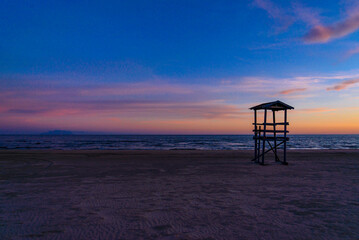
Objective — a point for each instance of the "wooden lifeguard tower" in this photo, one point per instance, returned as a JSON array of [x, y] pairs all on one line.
[[274, 134]]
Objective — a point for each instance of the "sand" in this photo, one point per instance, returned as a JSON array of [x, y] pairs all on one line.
[[178, 195]]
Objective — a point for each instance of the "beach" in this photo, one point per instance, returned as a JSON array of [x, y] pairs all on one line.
[[178, 194]]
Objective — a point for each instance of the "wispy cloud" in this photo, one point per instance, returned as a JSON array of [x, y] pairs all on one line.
[[150, 99], [297, 12], [275, 12], [305, 14], [221, 100], [266, 85], [343, 85], [127, 109], [318, 32], [315, 110], [139, 88], [326, 33], [351, 52], [321, 78], [293, 90]]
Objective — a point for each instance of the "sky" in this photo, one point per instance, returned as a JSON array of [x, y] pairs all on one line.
[[177, 67]]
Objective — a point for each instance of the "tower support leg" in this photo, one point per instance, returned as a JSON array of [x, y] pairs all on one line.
[[275, 137], [255, 135], [264, 134], [285, 139]]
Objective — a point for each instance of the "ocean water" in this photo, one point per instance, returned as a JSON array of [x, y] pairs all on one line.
[[169, 142]]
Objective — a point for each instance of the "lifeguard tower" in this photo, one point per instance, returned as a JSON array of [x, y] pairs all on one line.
[[272, 133]]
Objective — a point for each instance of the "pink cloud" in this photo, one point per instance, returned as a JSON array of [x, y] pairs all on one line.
[[318, 33], [343, 85], [38, 106], [293, 90], [323, 34]]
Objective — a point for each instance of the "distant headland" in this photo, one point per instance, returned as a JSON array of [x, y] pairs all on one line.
[[58, 132]]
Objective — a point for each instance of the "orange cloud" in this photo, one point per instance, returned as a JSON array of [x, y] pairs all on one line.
[[293, 90], [323, 34], [343, 85]]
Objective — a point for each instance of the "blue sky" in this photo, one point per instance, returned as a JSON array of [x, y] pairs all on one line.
[[210, 60]]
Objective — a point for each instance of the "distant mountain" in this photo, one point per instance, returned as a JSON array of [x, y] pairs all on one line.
[[57, 132]]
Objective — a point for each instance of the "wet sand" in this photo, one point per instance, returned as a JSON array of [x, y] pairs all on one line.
[[178, 195]]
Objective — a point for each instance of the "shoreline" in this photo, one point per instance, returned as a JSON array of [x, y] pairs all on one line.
[[168, 150]]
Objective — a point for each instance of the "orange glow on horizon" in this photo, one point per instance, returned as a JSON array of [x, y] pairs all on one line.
[[327, 122]]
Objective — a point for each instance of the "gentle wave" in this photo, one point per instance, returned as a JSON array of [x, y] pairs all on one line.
[[169, 142]]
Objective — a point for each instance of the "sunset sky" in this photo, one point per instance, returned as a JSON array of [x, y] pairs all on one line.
[[177, 67]]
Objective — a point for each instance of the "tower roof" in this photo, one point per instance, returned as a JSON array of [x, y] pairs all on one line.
[[276, 105]]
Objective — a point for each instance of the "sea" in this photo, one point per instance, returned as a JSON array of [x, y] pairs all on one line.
[[169, 142]]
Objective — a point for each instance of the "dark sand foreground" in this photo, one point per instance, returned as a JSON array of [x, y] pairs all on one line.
[[178, 195]]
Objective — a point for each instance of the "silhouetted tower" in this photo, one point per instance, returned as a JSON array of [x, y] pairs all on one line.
[[275, 133]]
